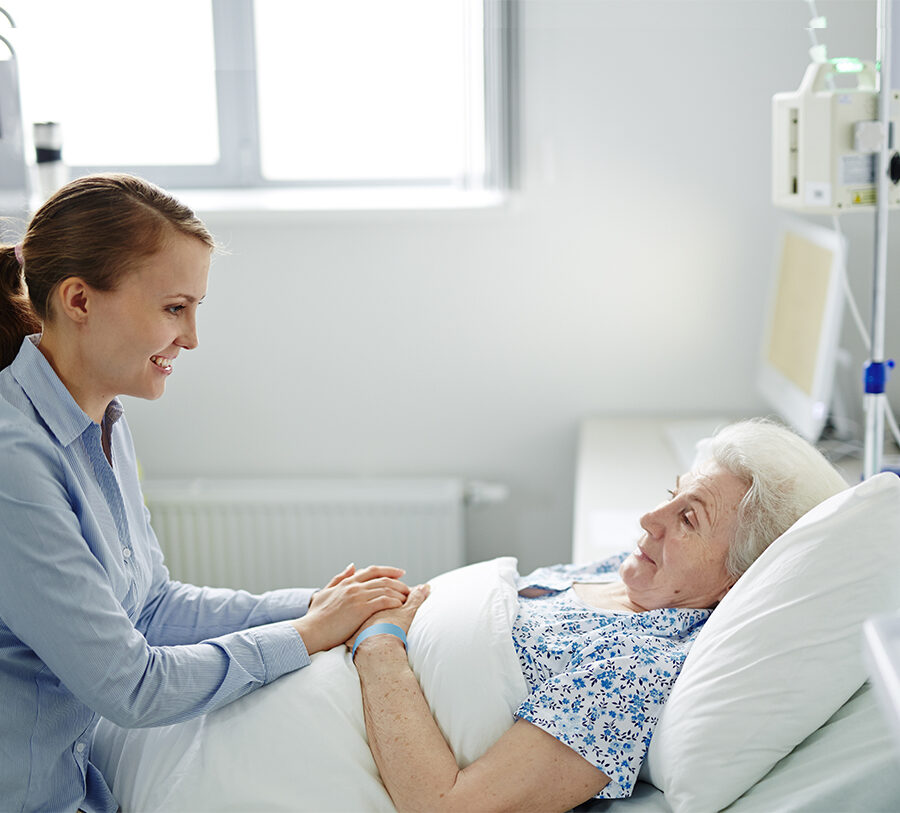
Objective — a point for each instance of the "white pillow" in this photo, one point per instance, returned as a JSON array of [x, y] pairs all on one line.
[[783, 650], [462, 653]]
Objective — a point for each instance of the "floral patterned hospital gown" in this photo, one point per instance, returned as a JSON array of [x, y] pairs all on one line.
[[598, 679]]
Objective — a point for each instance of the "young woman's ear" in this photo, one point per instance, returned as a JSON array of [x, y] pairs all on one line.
[[71, 299]]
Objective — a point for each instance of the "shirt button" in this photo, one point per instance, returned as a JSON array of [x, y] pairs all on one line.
[[79, 748], [126, 552]]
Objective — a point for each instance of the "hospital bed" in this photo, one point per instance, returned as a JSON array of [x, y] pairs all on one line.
[[771, 711]]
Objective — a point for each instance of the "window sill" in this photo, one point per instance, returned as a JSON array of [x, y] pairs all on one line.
[[266, 202]]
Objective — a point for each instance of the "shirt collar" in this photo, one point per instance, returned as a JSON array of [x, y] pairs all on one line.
[[49, 396]]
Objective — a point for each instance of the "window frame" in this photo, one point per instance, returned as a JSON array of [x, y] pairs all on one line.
[[239, 165]]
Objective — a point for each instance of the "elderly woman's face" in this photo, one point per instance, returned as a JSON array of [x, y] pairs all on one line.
[[680, 560]]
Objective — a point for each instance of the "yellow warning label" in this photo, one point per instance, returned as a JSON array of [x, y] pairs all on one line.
[[863, 197]]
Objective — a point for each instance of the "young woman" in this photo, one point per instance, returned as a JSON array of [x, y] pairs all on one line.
[[97, 301]]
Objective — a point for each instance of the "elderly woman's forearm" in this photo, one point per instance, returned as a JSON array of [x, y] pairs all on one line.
[[525, 770], [415, 762]]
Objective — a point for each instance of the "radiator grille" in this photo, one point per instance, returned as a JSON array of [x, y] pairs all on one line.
[[264, 534]]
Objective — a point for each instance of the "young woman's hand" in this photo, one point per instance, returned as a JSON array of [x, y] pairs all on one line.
[[346, 602], [400, 616]]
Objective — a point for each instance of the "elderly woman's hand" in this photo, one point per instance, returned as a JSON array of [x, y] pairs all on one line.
[[400, 616]]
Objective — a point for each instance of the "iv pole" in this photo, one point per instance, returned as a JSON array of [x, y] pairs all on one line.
[[875, 400]]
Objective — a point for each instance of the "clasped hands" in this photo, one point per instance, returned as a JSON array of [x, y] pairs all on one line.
[[354, 600]]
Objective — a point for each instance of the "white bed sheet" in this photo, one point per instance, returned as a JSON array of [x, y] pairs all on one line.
[[848, 765], [300, 744]]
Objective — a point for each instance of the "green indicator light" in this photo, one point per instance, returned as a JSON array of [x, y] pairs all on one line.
[[844, 64]]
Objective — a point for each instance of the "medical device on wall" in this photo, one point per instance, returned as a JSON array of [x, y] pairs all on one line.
[[800, 346], [825, 140], [835, 150], [13, 177]]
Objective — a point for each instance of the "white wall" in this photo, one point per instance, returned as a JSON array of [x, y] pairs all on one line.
[[627, 274]]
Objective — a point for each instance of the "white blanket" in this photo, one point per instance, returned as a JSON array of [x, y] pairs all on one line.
[[300, 743]]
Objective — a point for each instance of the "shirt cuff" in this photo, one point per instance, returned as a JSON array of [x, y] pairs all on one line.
[[282, 649]]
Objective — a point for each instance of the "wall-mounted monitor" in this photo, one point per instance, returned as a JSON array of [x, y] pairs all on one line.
[[803, 326]]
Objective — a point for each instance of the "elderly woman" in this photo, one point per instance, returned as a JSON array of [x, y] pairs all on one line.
[[599, 658]]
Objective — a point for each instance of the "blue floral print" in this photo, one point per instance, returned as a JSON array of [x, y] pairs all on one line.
[[598, 679]]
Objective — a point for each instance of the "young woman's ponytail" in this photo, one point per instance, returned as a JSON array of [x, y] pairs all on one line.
[[17, 316]]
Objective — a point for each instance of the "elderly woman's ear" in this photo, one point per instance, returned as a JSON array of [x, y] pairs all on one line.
[[725, 592]]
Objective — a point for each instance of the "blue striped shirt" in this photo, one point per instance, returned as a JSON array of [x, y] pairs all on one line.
[[90, 624]]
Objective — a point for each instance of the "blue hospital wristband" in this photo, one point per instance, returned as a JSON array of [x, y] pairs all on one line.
[[378, 629]]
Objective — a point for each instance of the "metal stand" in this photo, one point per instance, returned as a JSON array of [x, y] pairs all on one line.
[[876, 371]]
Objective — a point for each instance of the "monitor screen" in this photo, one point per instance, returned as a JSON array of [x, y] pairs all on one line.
[[800, 342]]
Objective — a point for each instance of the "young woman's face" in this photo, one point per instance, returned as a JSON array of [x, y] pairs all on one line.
[[135, 332], [680, 560]]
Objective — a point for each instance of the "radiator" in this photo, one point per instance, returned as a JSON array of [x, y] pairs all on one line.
[[264, 534]]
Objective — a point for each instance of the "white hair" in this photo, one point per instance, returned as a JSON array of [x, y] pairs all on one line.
[[787, 477]]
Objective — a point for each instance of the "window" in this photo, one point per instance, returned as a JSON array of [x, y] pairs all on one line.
[[272, 93]]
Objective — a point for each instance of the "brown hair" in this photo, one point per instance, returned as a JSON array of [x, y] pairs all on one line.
[[93, 228]]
